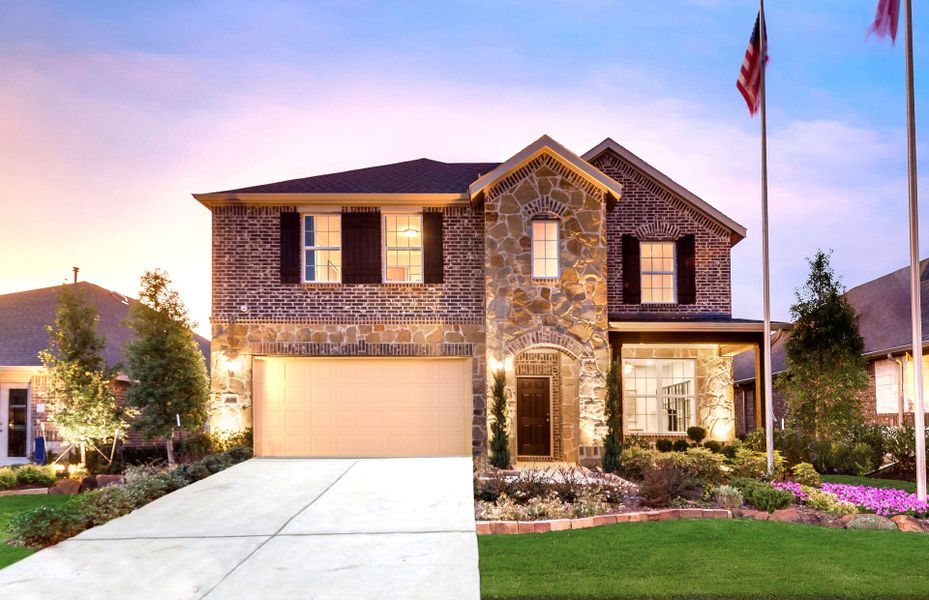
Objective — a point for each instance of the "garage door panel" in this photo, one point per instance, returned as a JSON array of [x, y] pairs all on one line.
[[362, 407]]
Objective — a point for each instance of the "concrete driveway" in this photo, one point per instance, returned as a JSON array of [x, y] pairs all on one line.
[[279, 528]]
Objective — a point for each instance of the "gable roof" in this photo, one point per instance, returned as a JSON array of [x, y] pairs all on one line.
[[543, 145], [883, 307], [737, 231], [24, 317]]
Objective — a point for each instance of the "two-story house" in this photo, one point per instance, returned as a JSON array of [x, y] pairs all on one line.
[[360, 313]]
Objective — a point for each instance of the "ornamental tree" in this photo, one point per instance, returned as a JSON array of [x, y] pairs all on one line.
[[825, 368], [169, 382], [499, 437], [79, 392], [613, 411]]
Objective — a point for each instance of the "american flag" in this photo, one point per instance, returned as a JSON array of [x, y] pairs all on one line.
[[749, 83], [886, 19]]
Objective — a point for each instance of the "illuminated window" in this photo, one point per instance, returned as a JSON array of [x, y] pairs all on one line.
[[659, 395], [545, 249], [403, 248], [322, 248], [657, 272]]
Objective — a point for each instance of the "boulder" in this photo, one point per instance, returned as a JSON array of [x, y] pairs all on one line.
[[868, 521], [108, 480], [66, 486], [786, 515], [758, 515], [910, 524]]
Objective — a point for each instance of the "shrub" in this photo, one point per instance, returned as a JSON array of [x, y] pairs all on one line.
[[728, 497], [47, 525], [143, 455], [713, 446], [900, 443], [680, 445], [805, 474], [145, 490], [241, 453], [696, 433], [730, 449], [504, 509], [828, 503], [755, 440], [636, 441], [35, 475], [861, 459], [664, 445], [794, 445], [762, 495], [752, 464], [224, 441], [874, 436], [7, 478], [634, 461], [549, 507], [708, 466], [105, 504], [588, 504], [668, 476]]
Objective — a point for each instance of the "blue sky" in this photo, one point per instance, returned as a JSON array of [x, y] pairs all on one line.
[[113, 112]]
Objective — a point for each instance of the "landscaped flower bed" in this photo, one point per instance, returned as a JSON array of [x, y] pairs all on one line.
[[882, 501]]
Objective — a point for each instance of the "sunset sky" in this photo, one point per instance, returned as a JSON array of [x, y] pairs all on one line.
[[113, 113]]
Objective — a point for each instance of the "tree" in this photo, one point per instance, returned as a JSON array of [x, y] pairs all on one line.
[[79, 392], [499, 437], [612, 442], [169, 382], [825, 368]]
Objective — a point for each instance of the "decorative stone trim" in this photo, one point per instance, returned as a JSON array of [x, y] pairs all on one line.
[[40, 491], [361, 348], [544, 160], [669, 514], [545, 207], [658, 231], [546, 338]]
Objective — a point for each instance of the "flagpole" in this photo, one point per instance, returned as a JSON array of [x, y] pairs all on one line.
[[919, 414], [768, 397]]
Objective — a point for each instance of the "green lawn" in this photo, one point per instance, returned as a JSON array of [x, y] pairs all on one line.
[[12, 505], [906, 486], [704, 559]]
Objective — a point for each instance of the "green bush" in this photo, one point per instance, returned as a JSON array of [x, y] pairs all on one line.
[[696, 433], [47, 525], [680, 445], [35, 475], [827, 502], [708, 465], [145, 490], [752, 464], [668, 476], [762, 495], [224, 441], [713, 446], [874, 436], [794, 445], [633, 440], [728, 497], [634, 460], [861, 459], [821, 456], [805, 474], [664, 445], [730, 449], [900, 443], [7, 478], [105, 504], [755, 440]]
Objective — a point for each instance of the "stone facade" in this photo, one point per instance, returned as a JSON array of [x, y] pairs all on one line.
[[652, 213], [568, 313]]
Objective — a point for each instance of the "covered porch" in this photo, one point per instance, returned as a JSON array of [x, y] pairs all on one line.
[[678, 374]]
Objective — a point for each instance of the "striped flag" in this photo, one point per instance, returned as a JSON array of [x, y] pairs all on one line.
[[886, 19], [749, 83]]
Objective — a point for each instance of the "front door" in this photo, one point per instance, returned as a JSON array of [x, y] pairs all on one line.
[[14, 424], [533, 416]]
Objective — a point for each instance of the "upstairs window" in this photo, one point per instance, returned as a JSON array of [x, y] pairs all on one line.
[[657, 272], [322, 248], [403, 248], [545, 257]]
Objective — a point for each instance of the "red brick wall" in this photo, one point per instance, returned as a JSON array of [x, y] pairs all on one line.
[[646, 205], [246, 254]]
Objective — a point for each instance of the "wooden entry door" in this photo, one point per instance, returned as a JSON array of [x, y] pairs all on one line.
[[533, 416]]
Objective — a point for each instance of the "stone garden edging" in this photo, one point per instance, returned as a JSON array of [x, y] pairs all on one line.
[[669, 514], [25, 492]]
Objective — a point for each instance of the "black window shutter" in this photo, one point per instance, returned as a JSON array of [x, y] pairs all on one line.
[[290, 247], [687, 270], [632, 271], [361, 247], [433, 261]]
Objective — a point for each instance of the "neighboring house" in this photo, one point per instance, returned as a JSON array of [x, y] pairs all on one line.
[[361, 313], [883, 307], [24, 321]]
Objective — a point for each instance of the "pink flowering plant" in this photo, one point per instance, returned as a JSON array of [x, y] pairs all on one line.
[[792, 487], [882, 501]]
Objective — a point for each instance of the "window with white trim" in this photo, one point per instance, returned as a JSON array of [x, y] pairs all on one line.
[[887, 387], [659, 395], [657, 272], [403, 248], [545, 255], [322, 248]]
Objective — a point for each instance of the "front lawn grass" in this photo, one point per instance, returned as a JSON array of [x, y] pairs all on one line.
[[906, 486], [13, 505], [704, 559]]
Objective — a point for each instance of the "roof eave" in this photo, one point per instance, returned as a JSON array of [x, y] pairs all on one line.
[[692, 326], [215, 199], [737, 231]]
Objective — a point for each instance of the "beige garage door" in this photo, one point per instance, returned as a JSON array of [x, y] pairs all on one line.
[[362, 406]]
